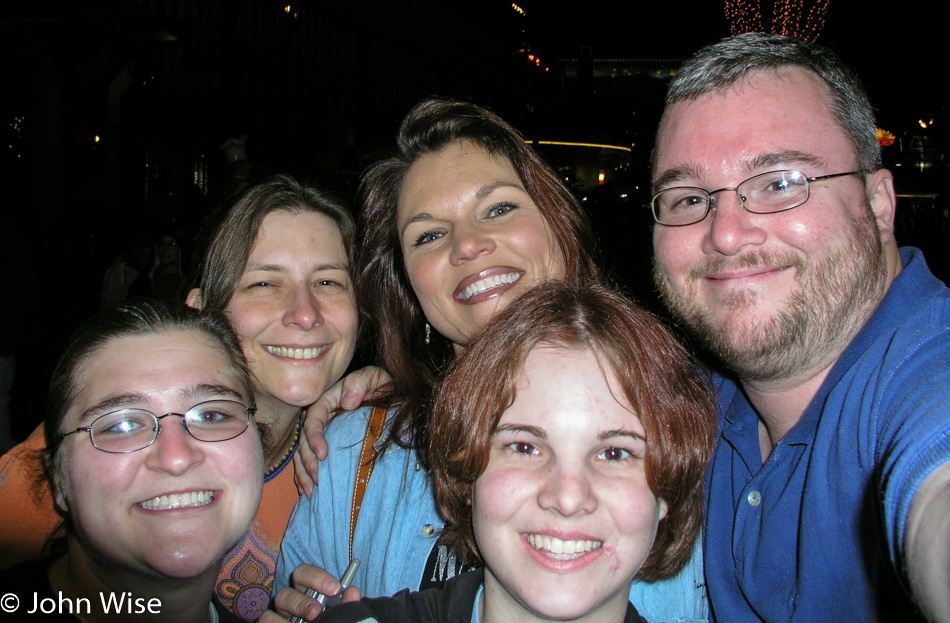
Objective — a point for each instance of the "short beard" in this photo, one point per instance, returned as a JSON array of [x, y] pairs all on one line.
[[836, 297]]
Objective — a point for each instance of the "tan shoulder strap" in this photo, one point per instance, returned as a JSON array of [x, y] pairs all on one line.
[[365, 468]]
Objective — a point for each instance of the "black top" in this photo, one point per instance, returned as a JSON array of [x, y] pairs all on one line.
[[453, 603]]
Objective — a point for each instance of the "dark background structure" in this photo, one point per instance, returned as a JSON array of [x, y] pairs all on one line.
[[114, 112]]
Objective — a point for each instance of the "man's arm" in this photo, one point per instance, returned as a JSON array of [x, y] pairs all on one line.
[[927, 545]]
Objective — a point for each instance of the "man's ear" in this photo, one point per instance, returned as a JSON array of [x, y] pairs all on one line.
[[194, 299], [883, 201]]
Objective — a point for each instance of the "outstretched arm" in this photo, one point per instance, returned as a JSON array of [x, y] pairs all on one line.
[[927, 545], [347, 394]]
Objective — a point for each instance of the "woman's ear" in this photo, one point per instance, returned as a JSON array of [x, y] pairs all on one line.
[[60, 487], [61, 500], [194, 299], [661, 509]]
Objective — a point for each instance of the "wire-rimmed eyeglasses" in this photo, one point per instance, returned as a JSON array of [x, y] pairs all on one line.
[[128, 430], [765, 193]]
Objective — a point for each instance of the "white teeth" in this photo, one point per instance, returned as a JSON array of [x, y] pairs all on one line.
[[560, 549], [178, 500], [297, 353], [490, 282]]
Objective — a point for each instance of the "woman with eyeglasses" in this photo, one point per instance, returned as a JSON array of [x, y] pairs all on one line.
[[277, 266], [155, 463]]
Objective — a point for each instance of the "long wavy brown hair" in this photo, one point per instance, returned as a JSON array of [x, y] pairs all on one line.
[[386, 299], [659, 380]]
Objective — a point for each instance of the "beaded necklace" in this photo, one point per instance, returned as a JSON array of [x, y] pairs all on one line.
[[287, 456]]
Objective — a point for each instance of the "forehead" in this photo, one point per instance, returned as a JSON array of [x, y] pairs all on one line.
[[748, 128], [159, 367], [313, 231], [571, 387], [452, 175]]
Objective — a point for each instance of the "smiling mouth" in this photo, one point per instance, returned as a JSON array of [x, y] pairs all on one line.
[[190, 499], [554, 547], [488, 283], [297, 353], [746, 274]]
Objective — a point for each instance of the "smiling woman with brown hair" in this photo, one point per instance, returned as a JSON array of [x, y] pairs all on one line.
[[278, 267], [568, 447], [462, 220], [154, 461]]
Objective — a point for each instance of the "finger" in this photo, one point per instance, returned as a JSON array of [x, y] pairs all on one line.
[[309, 462], [290, 602], [309, 576], [301, 478], [351, 594], [359, 385]]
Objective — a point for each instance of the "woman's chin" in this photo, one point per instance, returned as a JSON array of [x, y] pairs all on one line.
[[185, 566]]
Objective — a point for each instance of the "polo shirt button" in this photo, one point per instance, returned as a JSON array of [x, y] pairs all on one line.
[[755, 498], [428, 530], [418, 466]]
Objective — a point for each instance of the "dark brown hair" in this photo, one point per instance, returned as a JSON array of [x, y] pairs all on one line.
[[133, 318], [233, 238], [382, 286], [659, 380]]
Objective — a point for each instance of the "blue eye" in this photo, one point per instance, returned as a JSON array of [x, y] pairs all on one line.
[[501, 209], [783, 183], [215, 414], [209, 416], [122, 424], [427, 237], [777, 186]]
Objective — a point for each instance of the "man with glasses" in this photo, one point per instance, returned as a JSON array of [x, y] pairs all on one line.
[[829, 492]]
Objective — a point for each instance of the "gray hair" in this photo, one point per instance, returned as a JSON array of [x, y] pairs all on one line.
[[720, 66]]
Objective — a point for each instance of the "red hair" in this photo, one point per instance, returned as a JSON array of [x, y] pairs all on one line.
[[659, 380]]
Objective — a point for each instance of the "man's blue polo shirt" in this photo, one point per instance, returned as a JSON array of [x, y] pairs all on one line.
[[817, 532]]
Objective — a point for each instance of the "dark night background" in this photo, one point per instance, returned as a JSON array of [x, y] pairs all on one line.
[[319, 87]]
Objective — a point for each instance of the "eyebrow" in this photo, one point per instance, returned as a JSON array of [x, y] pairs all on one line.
[[484, 191], [130, 400], [685, 172], [213, 390], [277, 268], [783, 158], [677, 174], [541, 434], [112, 403], [521, 428], [480, 193], [621, 432]]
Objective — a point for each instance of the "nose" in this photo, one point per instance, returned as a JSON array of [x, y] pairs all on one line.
[[174, 450], [303, 309], [731, 226], [469, 242], [568, 490]]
